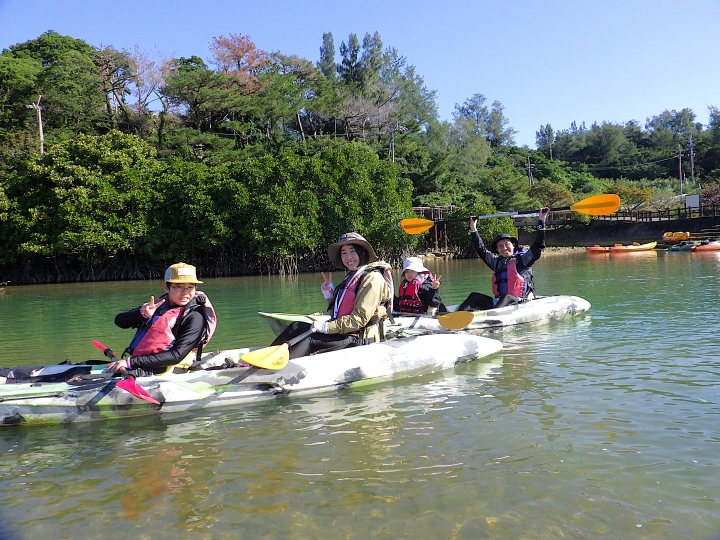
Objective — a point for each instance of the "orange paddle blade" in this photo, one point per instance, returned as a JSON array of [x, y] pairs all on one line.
[[598, 205], [416, 225]]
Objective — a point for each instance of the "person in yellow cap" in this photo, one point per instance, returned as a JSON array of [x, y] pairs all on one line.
[[357, 305], [168, 329]]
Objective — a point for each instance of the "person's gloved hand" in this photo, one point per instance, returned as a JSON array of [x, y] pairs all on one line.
[[319, 326]]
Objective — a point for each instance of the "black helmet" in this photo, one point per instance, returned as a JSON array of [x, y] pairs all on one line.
[[504, 236]]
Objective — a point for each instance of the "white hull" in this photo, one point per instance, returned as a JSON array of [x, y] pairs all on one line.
[[50, 403], [540, 311]]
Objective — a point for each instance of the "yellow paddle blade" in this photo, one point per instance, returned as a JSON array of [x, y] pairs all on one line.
[[416, 225], [598, 205], [456, 320], [275, 357]]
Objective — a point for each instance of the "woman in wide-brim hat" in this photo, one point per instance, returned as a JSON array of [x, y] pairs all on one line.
[[512, 280], [358, 304]]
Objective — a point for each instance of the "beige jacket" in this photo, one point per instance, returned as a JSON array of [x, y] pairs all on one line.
[[372, 293]]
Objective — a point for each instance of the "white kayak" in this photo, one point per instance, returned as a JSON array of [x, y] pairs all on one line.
[[539, 311], [91, 399]]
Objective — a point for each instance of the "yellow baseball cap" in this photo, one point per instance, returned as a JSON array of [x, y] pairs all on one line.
[[181, 273]]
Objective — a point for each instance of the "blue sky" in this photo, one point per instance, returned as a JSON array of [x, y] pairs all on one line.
[[549, 61]]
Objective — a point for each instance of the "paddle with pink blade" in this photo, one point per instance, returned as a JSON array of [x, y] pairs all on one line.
[[127, 382]]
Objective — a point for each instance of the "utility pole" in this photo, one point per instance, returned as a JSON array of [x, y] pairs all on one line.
[[38, 108], [680, 167], [399, 129], [691, 147], [529, 168]]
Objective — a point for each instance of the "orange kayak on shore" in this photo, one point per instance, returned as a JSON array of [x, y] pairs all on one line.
[[633, 247], [596, 249], [672, 237]]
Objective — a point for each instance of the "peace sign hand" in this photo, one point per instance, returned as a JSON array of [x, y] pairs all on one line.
[[436, 281], [147, 310], [327, 286]]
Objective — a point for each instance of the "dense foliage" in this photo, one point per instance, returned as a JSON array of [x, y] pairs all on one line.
[[250, 161]]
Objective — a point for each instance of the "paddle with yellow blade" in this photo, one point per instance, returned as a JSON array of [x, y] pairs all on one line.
[[455, 320], [597, 205], [277, 356]]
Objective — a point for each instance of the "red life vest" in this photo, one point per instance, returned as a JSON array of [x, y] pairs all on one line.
[[409, 297], [345, 297], [156, 335], [507, 280]]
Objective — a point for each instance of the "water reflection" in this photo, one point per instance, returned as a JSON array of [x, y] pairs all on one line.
[[598, 426]]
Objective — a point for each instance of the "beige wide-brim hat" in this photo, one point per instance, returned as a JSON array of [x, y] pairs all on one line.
[[181, 273], [350, 238], [413, 263]]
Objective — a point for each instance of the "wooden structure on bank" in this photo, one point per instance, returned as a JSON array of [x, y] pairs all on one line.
[[437, 240]]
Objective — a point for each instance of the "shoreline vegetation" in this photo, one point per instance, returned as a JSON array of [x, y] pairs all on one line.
[[155, 271], [251, 162]]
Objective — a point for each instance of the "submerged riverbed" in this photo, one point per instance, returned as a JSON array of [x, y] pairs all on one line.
[[603, 426]]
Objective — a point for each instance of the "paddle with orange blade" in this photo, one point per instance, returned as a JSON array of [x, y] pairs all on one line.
[[597, 205], [127, 382]]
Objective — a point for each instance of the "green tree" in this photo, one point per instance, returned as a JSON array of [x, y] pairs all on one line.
[[491, 123], [372, 59], [327, 64], [196, 214], [69, 83], [630, 195], [203, 97], [544, 139], [18, 87], [550, 194], [506, 186], [116, 75], [468, 149], [84, 201], [350, 67]]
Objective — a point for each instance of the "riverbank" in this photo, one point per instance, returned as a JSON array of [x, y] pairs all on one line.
[[559, 239], [562, 250], [606, 232]]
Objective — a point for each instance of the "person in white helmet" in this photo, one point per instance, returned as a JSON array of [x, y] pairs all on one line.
[[419, 290]]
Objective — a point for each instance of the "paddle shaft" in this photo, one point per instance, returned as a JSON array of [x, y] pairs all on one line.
[[504, 214], [107, 351], [298, 339], [597, 205]]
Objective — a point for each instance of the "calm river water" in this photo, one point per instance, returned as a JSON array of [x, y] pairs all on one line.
[[604, 426]]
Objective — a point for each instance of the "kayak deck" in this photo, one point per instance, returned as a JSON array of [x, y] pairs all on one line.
[[541, 310]]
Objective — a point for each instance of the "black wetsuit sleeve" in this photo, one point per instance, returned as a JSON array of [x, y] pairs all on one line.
[[485, 254], [428, 295], [537, 247], [190, 332], [130, 319]]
